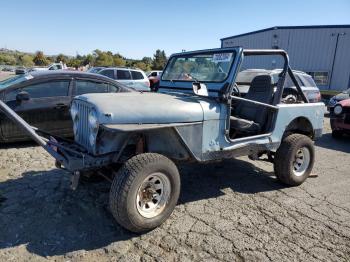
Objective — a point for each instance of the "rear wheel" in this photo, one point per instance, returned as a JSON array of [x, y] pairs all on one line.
[[294, 159], [144, 192]]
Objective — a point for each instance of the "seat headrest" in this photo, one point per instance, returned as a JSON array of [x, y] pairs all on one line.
[[261, 82]]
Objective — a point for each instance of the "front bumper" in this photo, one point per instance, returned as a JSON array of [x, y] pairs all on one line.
[[72, 157]]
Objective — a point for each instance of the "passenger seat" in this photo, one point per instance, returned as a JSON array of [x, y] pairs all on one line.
[[250, 118]]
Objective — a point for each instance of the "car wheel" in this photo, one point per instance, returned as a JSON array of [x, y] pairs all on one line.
[[337, 134], [294, 159], [144, 192]]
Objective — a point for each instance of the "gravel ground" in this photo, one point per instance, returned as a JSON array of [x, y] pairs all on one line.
[[229, 211]]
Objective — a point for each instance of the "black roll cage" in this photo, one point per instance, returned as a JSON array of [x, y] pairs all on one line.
[[280, 85], [282, 76]]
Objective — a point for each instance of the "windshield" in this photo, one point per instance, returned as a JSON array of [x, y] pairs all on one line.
[[14, 80], [203, 67]]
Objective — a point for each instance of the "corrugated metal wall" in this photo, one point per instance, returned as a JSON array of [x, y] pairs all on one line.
[[309, 49]]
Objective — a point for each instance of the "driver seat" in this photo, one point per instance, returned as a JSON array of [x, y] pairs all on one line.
[[250, 118]]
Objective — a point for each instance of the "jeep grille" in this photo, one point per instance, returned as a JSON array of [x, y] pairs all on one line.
[[83, 131]]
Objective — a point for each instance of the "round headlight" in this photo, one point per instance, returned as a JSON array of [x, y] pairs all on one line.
[[74, 110], [93, 122], [338, 109]]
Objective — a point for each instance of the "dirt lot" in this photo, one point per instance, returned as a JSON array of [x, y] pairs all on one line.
[[230, 211]]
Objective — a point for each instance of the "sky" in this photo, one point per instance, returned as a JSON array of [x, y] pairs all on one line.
[[136, 28]]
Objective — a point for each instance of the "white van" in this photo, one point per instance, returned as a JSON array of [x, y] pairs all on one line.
[[134, 78]]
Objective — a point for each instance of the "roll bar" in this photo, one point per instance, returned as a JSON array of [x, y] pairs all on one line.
[[282, 77]]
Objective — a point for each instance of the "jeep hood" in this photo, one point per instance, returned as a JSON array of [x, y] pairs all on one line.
[[144, 108]]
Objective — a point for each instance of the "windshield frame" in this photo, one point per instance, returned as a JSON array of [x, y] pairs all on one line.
[[202, 52]]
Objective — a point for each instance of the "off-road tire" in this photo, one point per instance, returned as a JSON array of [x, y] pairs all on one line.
[[126, 182], [285, 157], [337, 134]]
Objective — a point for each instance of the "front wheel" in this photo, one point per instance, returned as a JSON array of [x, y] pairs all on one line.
[[294, 159], [144, 192]]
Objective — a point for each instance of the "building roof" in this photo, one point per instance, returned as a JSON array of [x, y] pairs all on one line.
[[288, 27]]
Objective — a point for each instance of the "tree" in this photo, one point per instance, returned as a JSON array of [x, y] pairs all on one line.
[[7, 59], [89, 60], [118, 60], [74, 62], [103, 58], [143, 66], [27, 60], [40, 59], [61, 58], [159, 60], [147, 60]]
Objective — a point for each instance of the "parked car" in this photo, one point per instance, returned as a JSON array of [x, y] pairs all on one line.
[[95, 69], [8, 69], [43, 100], [54, 66], [290, 93], [136, 138], [337, 98], [340, 118], [154, 77], [134, 78], [20, 70], [154, 73]]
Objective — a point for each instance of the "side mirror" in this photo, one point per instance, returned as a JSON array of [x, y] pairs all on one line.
[[200, 89], [22, 96]]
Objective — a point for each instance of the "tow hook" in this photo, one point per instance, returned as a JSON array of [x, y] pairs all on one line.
[[75, 180]]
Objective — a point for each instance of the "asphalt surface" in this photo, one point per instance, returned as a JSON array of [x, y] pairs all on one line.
[[229, 211]]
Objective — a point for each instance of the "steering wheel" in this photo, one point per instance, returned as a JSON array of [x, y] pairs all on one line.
[[236, 91]]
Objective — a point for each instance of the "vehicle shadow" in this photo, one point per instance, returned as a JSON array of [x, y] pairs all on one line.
[[40, 210], [22, 144], [208, 181], [328, 142]]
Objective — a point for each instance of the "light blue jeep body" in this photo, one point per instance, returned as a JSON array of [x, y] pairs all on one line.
[[185, 126]]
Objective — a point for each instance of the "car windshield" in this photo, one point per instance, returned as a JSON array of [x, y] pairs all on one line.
[[206, 67], [14, 80]]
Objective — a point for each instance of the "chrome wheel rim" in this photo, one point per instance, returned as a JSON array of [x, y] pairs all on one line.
[[153, 195], [301, 161]]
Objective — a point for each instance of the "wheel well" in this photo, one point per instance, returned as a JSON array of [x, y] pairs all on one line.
[[300, 125]]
